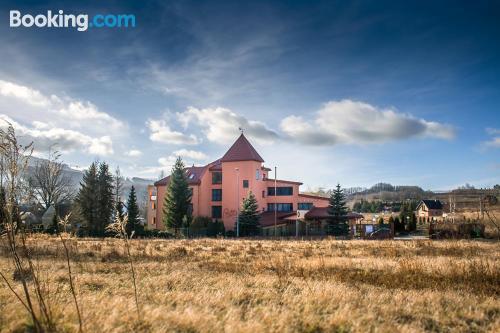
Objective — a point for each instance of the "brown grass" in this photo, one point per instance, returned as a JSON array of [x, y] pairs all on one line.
[[267, 286]]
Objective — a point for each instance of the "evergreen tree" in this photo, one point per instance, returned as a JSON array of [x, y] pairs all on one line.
[[177, 202], [398, 226], [337, 209], [95, 198], [134, 223], [105, 196], [249, 216], [87, 199]]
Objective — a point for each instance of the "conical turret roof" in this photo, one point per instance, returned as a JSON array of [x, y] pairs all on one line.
[[242, 150]]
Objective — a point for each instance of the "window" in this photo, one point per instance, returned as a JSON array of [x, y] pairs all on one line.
[[191, 176], [257, 174], [305, 206], [288, 190], [216, 194], [245, 183], [280, 207], [153, 205], [216, 177], [263, 194], [216, 212], [154, 220]]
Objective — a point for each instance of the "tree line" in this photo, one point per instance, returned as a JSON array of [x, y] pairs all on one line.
[[378, 206], [95, 205]]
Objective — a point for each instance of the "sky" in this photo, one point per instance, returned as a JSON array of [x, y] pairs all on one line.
[[329, 92]]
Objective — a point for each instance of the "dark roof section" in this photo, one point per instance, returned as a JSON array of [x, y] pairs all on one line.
[[267, 218], [432, 204], [241, 150], [193, 175], [322, 213], [215, 165]]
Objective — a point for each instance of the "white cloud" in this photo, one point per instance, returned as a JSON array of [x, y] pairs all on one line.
[[494, 142], [165, 164], [64, 140], [493, 131], [191, 154], [133, 153], [70, 124], [161, 132], [101, 146], [348, 121], [63, 111], [222, 125], [30, 96]]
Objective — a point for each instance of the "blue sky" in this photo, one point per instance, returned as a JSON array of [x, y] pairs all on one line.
[[349, 92]]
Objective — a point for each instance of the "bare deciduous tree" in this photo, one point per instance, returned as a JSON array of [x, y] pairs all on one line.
[[50, 185]]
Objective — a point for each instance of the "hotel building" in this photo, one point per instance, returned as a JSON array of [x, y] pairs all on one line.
[[219, 188]]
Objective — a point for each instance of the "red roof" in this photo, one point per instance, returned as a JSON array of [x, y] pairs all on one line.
[[193, 175], [215, 165], [241, 150]]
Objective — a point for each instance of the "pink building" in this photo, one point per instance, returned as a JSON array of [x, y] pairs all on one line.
[[220, 187]]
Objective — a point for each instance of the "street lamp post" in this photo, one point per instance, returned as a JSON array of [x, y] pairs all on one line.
[[237, 202]]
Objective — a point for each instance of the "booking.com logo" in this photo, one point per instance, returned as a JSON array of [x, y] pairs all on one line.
[[61, 20]]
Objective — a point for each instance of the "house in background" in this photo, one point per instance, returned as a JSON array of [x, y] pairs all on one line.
[[429, 209], [219, 188]]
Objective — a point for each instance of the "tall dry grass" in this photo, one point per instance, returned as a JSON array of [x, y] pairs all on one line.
[[267, 286]]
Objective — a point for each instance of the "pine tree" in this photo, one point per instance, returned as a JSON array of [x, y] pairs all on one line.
[[398, 226], [337, 209], [105, 196], [177, 199], [87, 199], [95, 198], [249, 216], [133, 223]]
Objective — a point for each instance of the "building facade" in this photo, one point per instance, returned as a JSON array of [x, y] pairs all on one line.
[[219, 188], [429, 209]]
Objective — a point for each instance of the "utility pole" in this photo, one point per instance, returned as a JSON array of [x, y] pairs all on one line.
[[237, 202], [275, 204], [481, 213]]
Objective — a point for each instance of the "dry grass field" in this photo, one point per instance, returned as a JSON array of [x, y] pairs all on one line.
[[211, 285]]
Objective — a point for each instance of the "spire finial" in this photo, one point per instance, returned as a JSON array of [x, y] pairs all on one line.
[[241, 130]]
